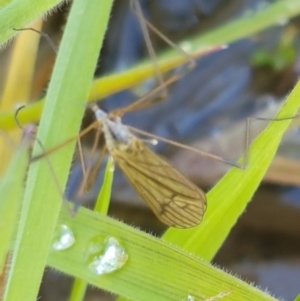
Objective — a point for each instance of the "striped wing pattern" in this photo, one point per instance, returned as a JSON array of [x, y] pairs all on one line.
[[175, 200]]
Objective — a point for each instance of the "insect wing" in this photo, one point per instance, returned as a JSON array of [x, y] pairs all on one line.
[[173, 198]]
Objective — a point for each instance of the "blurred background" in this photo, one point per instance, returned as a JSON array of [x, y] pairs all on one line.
[[206, 109]]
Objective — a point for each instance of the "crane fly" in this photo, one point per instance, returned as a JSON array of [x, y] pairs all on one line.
[[174, 199]]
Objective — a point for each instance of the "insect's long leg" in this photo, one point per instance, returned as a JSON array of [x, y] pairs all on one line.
[[248, 137], [46, 153], [50, 151], [146, 100], [151, 97], [180, 145], [90, 172], [137, 10], [94, 171], [83, 165], [30, 134], [93, 152], [159, 93]]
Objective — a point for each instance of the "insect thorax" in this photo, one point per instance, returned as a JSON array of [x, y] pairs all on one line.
[[116, 134]]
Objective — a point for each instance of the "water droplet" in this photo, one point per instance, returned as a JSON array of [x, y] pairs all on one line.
[[105, 255], [63, 238]]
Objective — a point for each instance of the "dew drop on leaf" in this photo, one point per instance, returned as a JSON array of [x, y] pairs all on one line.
[[63, 238], [105, 255]]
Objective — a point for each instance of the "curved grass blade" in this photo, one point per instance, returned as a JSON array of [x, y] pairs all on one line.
[[103, 199], [155, 269], [42, 202], [229, 198], [297, 298]]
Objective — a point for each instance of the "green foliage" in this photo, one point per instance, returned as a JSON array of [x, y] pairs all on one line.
[[228, 199], [67, 92], [297, 298], [157, 269], [12, 190]]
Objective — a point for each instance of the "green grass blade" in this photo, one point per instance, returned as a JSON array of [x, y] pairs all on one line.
[[102, 204], [12, 189], [62, 115], [155, 270], [103, 199], [297, 298], [19, 13], [229, 198]]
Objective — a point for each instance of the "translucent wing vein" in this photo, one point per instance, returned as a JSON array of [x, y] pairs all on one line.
[[173, 198]]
